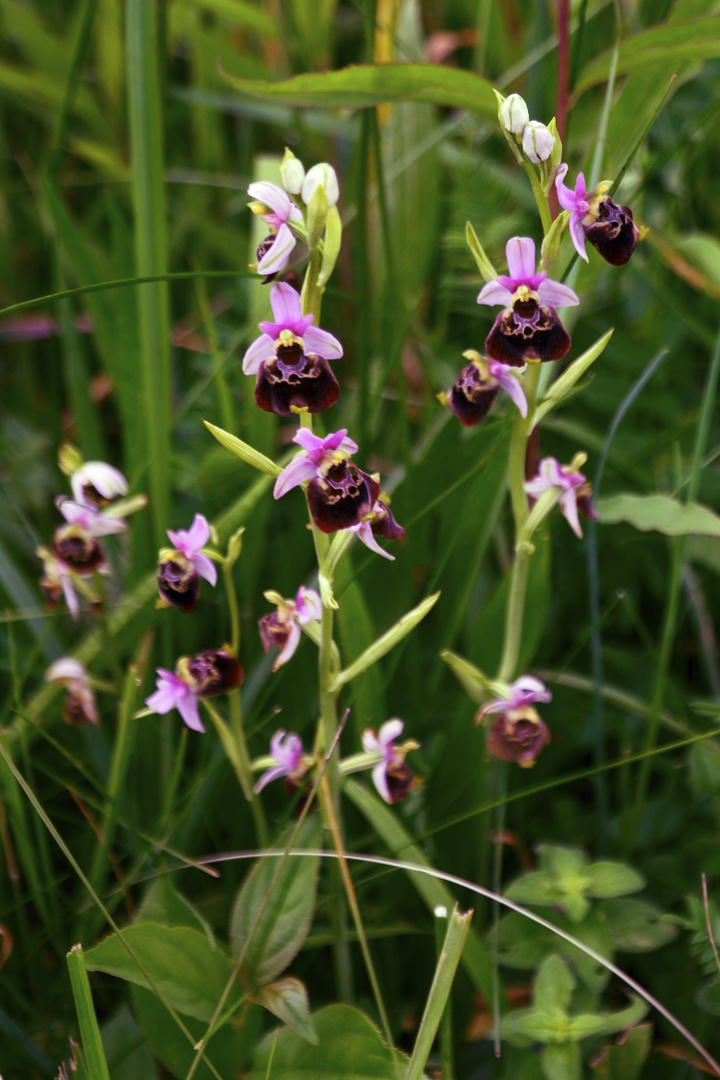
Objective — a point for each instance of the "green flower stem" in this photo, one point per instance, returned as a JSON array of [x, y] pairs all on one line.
[[516, 477], [541, 198], [232, 606]]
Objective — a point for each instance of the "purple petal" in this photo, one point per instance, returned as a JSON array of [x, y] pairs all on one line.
[[391, 729], [290, 646], [365, 534], [300, 469], [273, 197], [205, 567], [165, 698], [568, 505], [577, 235], [494, 293], [380, 781], [313, 445], [321, 343], [529, 689], [187, 706], [277, 255], [566, 196], [285, 303], [70, 596], [262, 349], [334, 441], [369, 741], [520, 254], [308, 606], [580, 186], [556, 294], [513, 389], [199, 532], [267, 777]]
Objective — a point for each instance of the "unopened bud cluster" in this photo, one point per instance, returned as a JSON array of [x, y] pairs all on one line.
[[537, 139]]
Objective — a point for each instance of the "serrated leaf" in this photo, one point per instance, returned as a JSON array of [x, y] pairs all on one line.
[[349, 1048], [287, 999], [659, 513], [186, 970], [286, 919], [364, 85]]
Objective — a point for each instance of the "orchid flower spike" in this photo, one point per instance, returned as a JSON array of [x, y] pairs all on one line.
[[276, 209], [478, 385], [287, 753], [528, 328], [575, 492], [290, 359], [518, 734], [181, 567], [339, 494], [79, 707], [595, 217], [392, 776], [207, 674], [282, 628]]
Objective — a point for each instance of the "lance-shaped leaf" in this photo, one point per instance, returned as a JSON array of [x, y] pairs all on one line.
[[473, 681], [562, 387], [486, 268], [243, 450], [660, 513], [287, 999], [388, 641], [363, 85], [331, 248], [271, 919]]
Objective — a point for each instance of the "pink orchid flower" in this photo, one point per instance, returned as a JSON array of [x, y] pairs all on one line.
[[189, 543], [290, 324], [280, 209]]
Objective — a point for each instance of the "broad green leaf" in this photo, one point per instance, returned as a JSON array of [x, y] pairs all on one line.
[[285, 920], [693, 39], [349, 1048], [128, 1054], [660, 513], [164, 904], [562, 1062], [608, 1023], [475, 958], [635, 925], [229, 1050], [612, 879], [624, 1059], [567, 866], [186, 970], [537, 887], [363, 85], [288, 1000], [243, 450]]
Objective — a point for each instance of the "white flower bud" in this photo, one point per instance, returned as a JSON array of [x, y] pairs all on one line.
[[537, 141], [514, 113], [323, 176], [292, 173]]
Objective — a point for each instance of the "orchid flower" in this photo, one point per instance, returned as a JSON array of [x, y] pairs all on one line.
[[379, 522], [79, 707], [477, 386], [595, 217], [96, 482], [276, 209], [575, 490], [287, 752], [392, 777], [208, 673], [518, 734], [282, 629]]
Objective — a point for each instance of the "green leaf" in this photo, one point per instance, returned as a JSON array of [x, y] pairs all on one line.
[[474, 682], [288, 1000], [708, 998], [87, 1020], [164, 904], [187, 971], [229, 1049], [704, 767], [537, 887], [694, 39], [241, 13], [285, 920], [349, 1048], [243, 450], [624, 1059], [486, 268], [661, 513], [612, 879], [387, 641], [475, 957], [127, 1052], [562, 1062], [553, 986], [635, 925], [364, 85], [608, 1023]]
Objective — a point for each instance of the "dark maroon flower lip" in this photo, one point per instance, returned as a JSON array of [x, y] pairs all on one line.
[[79, 708], [341, 496], [614, 234], [210, 672], [295, 381], [518, 735], [178, 582], [527, 331], [77, 549], [472, 396], [384, 524]]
